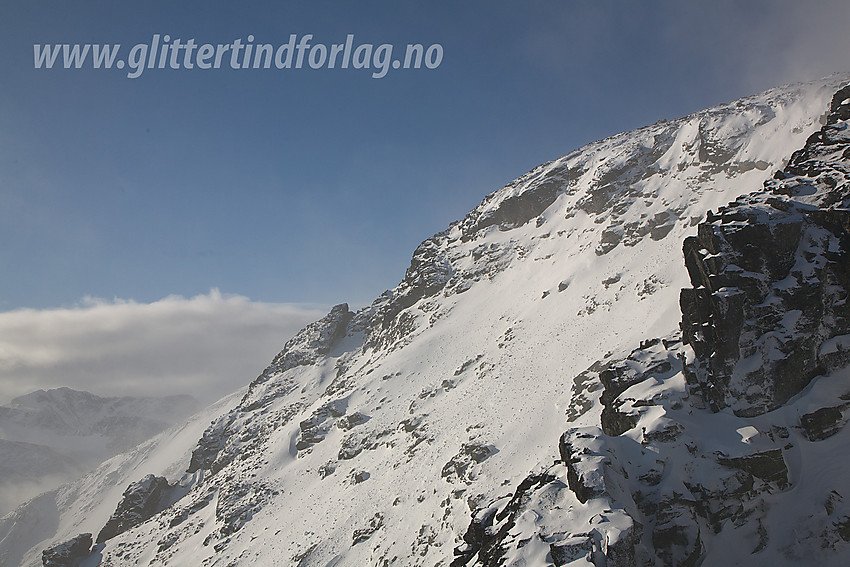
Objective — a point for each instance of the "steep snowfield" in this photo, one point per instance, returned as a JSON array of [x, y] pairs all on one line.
[[375, 437]]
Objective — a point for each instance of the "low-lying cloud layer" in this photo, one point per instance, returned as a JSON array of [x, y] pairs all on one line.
[[206, 346]]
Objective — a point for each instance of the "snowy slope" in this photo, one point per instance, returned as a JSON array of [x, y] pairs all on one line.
[[380, 437], [729, 449]]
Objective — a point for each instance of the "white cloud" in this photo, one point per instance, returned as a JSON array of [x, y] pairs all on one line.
[[206, 346]]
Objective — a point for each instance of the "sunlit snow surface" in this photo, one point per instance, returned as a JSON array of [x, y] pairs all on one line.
[[380, 451]]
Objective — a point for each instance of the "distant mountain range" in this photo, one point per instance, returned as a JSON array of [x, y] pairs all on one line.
[[51, 437]]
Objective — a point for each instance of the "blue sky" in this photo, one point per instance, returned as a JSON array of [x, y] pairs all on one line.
[[198, 218], [316, 185]]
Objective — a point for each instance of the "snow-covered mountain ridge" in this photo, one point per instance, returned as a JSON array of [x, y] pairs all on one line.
[[663, 480], [540, 329]]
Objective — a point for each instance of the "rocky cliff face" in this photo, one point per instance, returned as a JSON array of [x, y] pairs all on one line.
[[541, 328], [69, 553], [707, 450], [140, 501], [771, 272]]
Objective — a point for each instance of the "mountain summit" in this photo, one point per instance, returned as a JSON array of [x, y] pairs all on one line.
[[551, 383]]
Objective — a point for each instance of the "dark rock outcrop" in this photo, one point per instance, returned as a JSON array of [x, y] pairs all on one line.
[[537, 191], [618, 376], [362, 534], [312, 342], [314, 429], [771, 276], [141, 501], [578, 547], [571, 455], [768, 466], [428, 273], [459, 467], [69, 553], [484, 540], [517, 210], [237, 503], [215, 448], [823, 423]]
